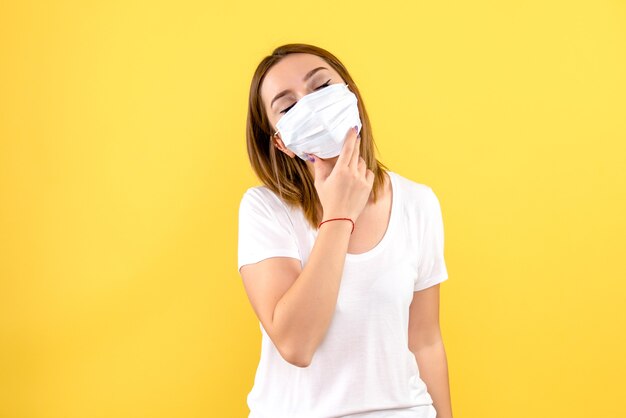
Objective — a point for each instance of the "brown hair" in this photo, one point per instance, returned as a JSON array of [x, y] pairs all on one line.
[[289, 177]]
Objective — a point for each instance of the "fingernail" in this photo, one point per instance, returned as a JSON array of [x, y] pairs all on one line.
[[311, 158], [356, 129]]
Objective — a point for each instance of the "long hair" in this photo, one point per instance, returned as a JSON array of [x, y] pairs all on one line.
[[289, 177]]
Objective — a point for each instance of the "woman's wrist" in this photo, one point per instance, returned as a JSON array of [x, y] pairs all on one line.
[[338, 219]]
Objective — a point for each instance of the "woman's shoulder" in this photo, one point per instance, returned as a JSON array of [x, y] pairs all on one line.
[[413, 192], [255, 191], [261, 195]]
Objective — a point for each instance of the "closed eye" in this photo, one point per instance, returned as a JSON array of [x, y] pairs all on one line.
[[326, 84]]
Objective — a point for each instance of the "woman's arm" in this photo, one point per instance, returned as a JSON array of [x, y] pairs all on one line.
[[296, 305], [426, 343]]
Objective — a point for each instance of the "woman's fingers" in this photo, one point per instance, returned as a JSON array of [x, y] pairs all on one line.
[[362, 167], [322, 169], [356, 151], [345, 156], [369, 176]]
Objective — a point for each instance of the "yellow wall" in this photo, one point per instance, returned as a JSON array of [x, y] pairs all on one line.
[[122, 162]]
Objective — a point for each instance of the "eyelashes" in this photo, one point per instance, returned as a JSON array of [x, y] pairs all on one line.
[[287, 109], [326, 84]]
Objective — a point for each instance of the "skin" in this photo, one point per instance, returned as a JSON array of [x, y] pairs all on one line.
[[425, 340]]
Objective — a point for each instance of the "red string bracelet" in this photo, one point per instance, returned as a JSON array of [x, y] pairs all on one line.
[[337, 219]]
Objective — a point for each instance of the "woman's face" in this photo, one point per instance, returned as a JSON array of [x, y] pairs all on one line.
[[294, 76]]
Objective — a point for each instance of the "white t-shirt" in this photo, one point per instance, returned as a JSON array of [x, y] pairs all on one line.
[[363, 367]]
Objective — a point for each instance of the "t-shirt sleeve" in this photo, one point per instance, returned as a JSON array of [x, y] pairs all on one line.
[[265, 229], [431, 265]]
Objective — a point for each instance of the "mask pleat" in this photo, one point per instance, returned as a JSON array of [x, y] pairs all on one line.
[[319, 122]]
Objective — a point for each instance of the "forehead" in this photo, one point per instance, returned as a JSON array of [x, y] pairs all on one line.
[[288, 73]]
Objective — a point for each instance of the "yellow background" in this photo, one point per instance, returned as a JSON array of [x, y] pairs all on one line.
[[122, 162]]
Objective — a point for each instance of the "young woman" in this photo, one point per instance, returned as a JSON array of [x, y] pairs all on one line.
[[340, 257]]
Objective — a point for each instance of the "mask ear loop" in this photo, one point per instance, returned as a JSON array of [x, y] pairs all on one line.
[[275, 136]]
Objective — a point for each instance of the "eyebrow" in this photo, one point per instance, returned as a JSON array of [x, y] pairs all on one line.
[[306, 77]]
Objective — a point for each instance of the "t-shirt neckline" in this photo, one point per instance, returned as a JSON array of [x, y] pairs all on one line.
[[390, 225]]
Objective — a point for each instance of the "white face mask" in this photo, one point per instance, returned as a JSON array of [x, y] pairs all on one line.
[[319, 122]]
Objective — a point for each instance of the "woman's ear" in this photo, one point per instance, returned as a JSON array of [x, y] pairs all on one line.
[[278, 143]]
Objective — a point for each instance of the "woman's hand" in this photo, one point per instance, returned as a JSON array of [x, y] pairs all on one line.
[[344, 188]]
